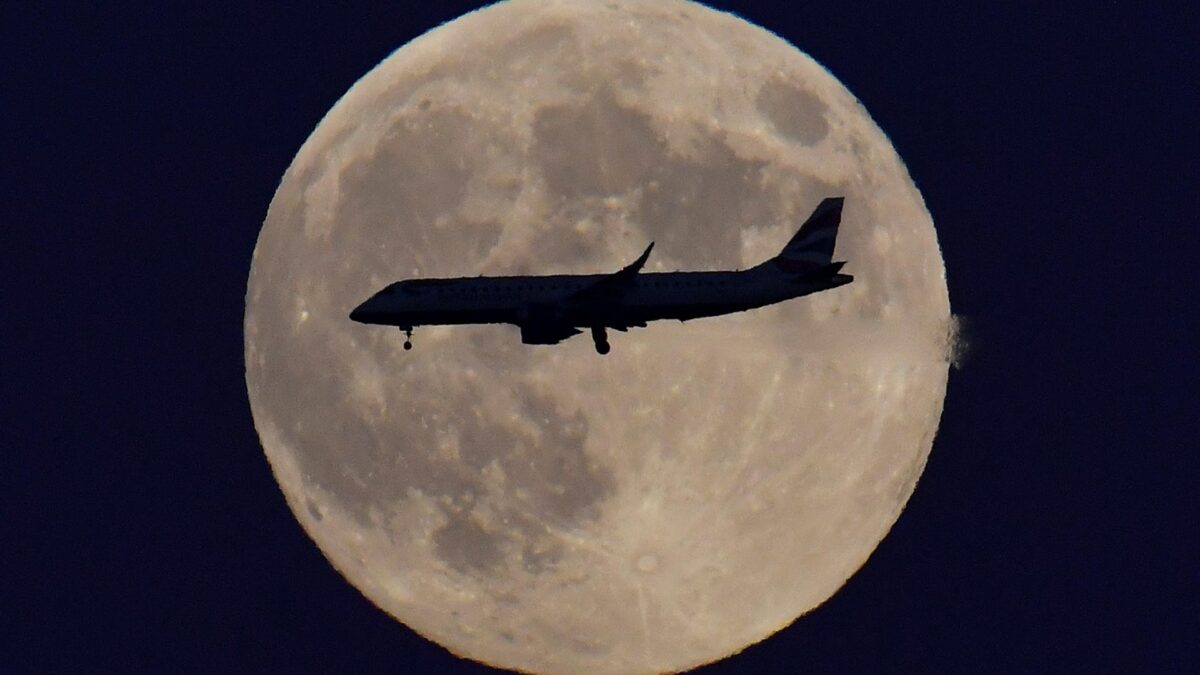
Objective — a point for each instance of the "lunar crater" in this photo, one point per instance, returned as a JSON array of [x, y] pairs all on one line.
[[647, 563], [468, 547], [797, 114]]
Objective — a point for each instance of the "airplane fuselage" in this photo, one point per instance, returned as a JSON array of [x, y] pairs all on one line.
[[650, 297], [550, 309]]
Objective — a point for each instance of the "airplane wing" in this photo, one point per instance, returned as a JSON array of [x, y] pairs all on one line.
[[613, 284], [624, 327], [631, 270]]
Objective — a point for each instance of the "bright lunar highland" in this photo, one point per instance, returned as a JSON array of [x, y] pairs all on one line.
[[545, 508]]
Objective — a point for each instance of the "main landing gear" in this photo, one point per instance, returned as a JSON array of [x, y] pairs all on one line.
[[600, 337], [407, 337]]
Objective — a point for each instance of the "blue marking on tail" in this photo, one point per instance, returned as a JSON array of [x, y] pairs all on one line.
[[811, 248]]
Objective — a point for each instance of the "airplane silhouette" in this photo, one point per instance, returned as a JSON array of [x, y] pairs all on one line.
[[550, 309]]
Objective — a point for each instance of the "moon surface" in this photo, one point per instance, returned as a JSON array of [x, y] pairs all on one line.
[[544, 508]]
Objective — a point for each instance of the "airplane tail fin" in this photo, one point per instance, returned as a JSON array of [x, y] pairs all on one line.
[[811, 248]]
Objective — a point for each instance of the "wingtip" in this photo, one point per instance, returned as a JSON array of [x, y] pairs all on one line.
[[645, 254]]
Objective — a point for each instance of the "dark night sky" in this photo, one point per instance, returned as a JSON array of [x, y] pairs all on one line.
[[1055, 144]]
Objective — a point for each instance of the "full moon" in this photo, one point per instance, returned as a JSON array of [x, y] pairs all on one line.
[[545, 508]]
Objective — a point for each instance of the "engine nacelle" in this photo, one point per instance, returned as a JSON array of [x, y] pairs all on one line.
[[546, 333], [544, 324]]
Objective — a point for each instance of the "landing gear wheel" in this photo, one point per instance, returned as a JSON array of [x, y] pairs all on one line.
[[407, 337], [600, 337]]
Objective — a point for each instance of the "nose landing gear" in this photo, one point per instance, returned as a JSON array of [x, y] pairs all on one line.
[[407, 337], [600, 337]]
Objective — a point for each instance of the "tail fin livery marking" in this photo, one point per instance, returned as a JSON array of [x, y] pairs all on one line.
[[812, 246]]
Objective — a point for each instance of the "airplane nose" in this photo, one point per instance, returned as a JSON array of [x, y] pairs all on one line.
[[362, 313]]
